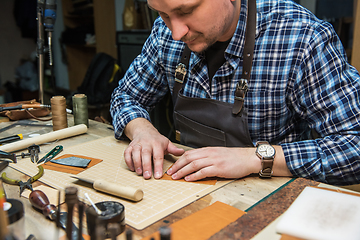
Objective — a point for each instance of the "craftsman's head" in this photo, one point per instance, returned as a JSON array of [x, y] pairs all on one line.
[[199, 23]]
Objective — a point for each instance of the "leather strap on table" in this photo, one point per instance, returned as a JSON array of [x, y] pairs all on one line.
[[241, 87]]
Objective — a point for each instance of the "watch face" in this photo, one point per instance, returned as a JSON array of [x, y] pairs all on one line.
[[266, 150]]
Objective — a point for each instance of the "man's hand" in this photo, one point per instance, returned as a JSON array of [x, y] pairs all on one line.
[[223, 162], [147, 144]]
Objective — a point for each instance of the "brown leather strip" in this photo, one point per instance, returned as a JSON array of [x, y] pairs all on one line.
[[247, 57]]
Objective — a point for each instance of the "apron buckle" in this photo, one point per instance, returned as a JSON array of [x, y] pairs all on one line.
[[241, 90], [180, 73]]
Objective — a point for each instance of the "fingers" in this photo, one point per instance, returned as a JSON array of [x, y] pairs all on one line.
[[128, 158], [145, 160], [172, 149], [193, 166], [139, 158]]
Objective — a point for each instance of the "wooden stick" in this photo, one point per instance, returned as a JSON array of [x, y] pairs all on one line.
[[48, 137]]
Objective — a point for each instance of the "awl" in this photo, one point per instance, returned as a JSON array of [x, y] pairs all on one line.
[[115, 189]]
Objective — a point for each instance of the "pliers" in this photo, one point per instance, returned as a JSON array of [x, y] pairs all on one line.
[[23, 185]]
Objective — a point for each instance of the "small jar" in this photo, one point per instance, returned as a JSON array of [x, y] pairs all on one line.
[[112, 213]]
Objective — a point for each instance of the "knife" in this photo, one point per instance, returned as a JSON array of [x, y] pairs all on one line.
[[114, 189]]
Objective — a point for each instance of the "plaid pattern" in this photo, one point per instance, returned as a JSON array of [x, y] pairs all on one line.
[[300, 81]]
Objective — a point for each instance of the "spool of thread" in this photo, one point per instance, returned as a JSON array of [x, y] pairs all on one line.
[[80, 109], [112, 213], [58, 109], [16, 218]]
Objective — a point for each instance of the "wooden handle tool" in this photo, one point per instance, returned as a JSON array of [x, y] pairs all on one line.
[[115, 189], [47, 137]]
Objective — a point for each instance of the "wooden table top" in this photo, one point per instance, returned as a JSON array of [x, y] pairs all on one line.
[[242, 193]]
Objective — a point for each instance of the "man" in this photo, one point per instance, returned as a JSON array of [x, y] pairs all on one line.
[[242, 121]]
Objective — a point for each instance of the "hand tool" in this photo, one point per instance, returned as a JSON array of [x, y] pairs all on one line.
[[10, 156], [40, 201], [165, 233], [31, 237], [63, 224], [115, 189], [44, 138], [3, 165], [34, 152], [81, 209], [11, 138], [23, 155], [23, 106], [50, 155], [58, 211], [97, 210], [71, 199], [129, 234], [23, 185], [24, 123]]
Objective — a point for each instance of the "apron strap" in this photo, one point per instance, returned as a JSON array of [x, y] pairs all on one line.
[[241, 86], [180, 72]]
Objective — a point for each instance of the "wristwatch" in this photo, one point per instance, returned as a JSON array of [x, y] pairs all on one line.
[[266, 153]]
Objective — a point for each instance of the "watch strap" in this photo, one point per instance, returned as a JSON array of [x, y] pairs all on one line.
[[266, 163], [266, 168]]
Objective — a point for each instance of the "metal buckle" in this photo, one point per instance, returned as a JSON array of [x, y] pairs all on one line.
[[265, 174], [180, 73], [242, 85]]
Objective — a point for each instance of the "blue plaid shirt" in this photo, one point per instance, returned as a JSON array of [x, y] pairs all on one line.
[[300, 82]]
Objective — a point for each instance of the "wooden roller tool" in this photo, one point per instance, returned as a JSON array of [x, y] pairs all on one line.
[[47, 137]]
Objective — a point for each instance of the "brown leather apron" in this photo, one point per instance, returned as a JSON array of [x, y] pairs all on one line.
[[201, 122]]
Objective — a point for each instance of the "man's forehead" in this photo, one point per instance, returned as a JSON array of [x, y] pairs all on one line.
[[171, 5]]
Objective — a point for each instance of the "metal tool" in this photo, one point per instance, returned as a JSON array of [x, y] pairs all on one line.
[[6, 155], [165, 233], [71, 199], [23, 155], [81, 210], [3, 165], [129, 234], [50, 155], [127, 192], [34, 152], [11, 138], [39, 200], [23, 106], [23, 185], [24, 123]]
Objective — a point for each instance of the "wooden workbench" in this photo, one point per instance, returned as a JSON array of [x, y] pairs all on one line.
[[242, 194]]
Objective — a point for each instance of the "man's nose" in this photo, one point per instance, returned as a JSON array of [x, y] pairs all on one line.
[[179, 29]]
